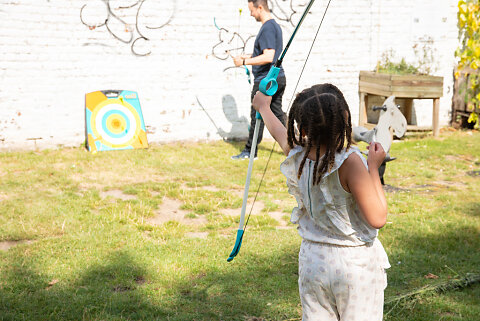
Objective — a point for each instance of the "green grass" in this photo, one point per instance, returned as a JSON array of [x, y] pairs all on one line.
[[88, 256]]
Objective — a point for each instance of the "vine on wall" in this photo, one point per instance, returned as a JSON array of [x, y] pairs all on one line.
[[469, 55]]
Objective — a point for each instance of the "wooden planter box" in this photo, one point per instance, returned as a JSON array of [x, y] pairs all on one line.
[[401, 86]]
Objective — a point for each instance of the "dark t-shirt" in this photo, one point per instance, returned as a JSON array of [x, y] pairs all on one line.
[[269, 37]]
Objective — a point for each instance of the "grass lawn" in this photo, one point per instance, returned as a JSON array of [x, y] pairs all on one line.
[[145, 234]]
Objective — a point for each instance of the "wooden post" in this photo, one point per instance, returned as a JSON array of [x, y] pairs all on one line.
[[408, 110], [362, 113], [435, 116]]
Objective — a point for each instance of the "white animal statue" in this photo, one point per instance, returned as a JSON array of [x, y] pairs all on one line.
[[390, 118]]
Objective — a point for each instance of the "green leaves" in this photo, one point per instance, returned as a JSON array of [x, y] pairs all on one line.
[[469, 52]]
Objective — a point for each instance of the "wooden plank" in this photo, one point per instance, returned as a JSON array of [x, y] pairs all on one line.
[[435, 117], [373, 85], [419, 95], [362, 109], [417, 89], [417, 83], [408, 110], [417, 77], [374, 91], [374, 80]]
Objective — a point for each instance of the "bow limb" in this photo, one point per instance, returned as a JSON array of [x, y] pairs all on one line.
[[268, 86], [241, 225]]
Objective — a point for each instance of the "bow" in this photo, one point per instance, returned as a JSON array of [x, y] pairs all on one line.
[[268, 86]]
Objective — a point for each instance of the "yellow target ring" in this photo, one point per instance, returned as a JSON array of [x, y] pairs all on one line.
[[115, 123]]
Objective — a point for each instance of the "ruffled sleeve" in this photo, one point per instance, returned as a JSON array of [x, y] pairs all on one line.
[[289, 169]]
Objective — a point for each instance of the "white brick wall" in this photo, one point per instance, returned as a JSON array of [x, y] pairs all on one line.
[[49, 60]]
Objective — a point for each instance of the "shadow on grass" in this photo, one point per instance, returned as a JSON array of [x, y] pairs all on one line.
[[472, 209], [253, 285], [450, 252], [120, 290]]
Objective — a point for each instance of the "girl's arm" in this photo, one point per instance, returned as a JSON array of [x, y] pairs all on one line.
[[365, 184], [261, 103]]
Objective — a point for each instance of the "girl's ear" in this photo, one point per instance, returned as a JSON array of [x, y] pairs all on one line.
[[303, 133]]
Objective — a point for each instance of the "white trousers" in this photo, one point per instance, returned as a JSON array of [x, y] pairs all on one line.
[[340, 282]]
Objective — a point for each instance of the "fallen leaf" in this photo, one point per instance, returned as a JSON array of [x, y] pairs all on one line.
[[431, 276], [51, 283]]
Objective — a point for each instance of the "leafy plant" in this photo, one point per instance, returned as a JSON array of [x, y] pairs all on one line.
[[424, 54], [388, 66], [469, 54]]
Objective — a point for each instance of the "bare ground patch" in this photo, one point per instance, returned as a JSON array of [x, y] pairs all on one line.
[[448, 184], [115, 193], [197, 235], [6, 245], [101, 179], [170, 210], [257, 209]]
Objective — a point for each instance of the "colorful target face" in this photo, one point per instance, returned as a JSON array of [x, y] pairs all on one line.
[[114, 121]]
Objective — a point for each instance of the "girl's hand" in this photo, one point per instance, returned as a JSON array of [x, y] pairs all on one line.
[[261, 101], [376, 155]]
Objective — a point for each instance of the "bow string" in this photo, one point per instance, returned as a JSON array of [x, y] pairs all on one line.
[[268, 86]]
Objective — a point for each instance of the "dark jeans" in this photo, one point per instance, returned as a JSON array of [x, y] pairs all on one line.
[[276, 108]]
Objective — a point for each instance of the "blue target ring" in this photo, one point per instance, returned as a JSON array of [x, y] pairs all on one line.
[[123, 117]]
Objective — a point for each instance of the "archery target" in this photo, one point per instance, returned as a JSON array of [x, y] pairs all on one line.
[[114, 121]]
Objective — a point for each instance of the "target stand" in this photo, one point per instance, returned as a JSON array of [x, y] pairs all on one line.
[[114, 120]]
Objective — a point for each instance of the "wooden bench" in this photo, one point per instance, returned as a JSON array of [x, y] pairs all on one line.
[[408, 87]]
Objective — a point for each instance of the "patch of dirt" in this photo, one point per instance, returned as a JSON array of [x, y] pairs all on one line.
[[197, 235], [3, 197], [99, 180], [279, 217], [470, 173], [467, 158], [83, 186], [122, 288], [448, 184], [257, 209], [170, 211], [211, 188], [6, 245], [140, 280], [393, 189], [425, 188], [115, 193]]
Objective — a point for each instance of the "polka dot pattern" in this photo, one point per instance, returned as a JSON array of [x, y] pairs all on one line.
[[341, 283]]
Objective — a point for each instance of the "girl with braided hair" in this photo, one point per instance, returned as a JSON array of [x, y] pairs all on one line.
[[341, 206]]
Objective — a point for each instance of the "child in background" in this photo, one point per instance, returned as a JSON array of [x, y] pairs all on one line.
[[341, 206]]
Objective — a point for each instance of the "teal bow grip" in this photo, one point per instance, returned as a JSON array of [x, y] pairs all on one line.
[[236, 247], [258, 116], [269, 85]]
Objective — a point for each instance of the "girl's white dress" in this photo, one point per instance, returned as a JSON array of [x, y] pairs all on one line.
[[341, 262]]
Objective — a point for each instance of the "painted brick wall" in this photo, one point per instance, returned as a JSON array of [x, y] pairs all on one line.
[[49, 60]]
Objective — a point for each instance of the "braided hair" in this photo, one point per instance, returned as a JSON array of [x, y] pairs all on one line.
[[322, 115]]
